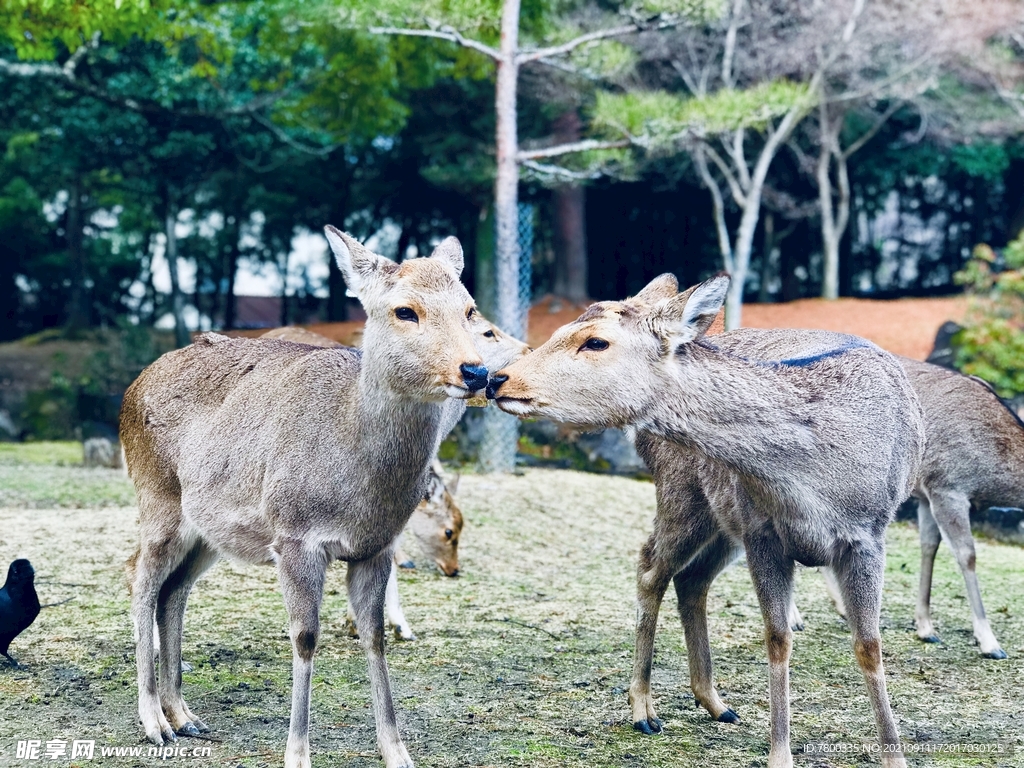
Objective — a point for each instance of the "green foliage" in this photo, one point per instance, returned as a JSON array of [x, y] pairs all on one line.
[[991, 346], [982, 159], [35, 27], [659, 118]]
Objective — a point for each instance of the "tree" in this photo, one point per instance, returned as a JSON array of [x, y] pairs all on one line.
[[508, 57]]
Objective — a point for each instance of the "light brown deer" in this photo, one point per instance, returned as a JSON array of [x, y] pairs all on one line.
[[974, 457], [273, 452], [802, 457], [437, 522]]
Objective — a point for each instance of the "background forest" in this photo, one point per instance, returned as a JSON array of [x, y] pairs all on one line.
[[155, 155]]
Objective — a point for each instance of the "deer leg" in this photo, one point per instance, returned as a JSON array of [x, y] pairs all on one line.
[[170, 617], [860, 572], [665, 553], [928, 531], [832, 587], [692, 584], [301, 573], [796, 621], [772, 573], [393, 607], [367, 586], [951, 511], [160, 552]]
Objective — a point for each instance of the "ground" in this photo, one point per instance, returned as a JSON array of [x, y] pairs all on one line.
[[522, 661], [903, 326]]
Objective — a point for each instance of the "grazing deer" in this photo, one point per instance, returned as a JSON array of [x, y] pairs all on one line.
[[802, 458], [273, 452]]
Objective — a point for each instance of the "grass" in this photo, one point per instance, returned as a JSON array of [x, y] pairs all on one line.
[[522, 661], [50, 474]]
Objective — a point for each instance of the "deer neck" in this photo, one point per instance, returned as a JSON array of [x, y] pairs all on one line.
[[399, 430], [750, 415]]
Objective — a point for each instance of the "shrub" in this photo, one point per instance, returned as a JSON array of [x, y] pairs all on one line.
[[991, 345]]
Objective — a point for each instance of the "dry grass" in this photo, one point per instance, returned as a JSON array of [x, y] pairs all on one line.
[[523, 661]]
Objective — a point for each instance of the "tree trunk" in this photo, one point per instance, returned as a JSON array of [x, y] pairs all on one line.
[[231, 254], [767, 248], [483, 291], [181, 337], [569, 202], [506, 185], [829, 235], [78, 305]]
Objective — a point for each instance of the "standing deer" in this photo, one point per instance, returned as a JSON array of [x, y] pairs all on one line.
[[436, 523], [973, 457], [272, 452], [802, 458]]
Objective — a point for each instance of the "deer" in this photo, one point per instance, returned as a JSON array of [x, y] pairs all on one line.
[[294, 456], [802, 456], [974, 457], [437, 521]]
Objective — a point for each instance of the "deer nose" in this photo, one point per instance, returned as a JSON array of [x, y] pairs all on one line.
[[494, 385], [475, 376]]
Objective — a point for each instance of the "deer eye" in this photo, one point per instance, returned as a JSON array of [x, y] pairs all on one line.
[[448, 533], [489, 335], [405, 313], [595, 345]]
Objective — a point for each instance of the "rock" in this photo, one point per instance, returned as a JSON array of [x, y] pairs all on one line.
[[944, 352], [101, 452]]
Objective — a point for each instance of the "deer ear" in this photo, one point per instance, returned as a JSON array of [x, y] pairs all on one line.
[[450, 250], [687, 316], [453, 485], [662, 287], [358, 264]]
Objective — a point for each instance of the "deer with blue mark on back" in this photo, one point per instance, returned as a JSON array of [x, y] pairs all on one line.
[[802, 457]]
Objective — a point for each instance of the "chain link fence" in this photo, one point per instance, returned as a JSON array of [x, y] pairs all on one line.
[[500, 438]]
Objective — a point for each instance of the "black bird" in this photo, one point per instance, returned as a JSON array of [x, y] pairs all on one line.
[[19, 604]]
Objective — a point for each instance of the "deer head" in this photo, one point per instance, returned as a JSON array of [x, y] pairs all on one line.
[[605, 368], [417, 319]]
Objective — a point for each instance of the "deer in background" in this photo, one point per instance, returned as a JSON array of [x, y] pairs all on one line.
[[799, 457], [279, 453], [437, 522], [974, 457]]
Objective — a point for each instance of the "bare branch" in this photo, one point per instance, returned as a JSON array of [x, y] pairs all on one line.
[[734, 187], [870, 133], [556, 170], [591, 37], [445, 33], [730, 43], [285, 138], [566, 149], [717, 204]]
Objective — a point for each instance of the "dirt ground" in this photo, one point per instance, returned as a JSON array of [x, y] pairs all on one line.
[[522, 661], [904, 326]]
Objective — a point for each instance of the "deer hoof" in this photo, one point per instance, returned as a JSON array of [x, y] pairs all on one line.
[[998, 653], [188, 729], [729, 716], [648, 727], [201, 726], [930, 639], [186, 667], [407, 564]]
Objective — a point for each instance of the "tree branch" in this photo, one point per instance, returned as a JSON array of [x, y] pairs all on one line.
[[870, 133], [445, 33], [717, 204], [557, 50], [730, 43], [556, 170], [734, 186], [565, 149]]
